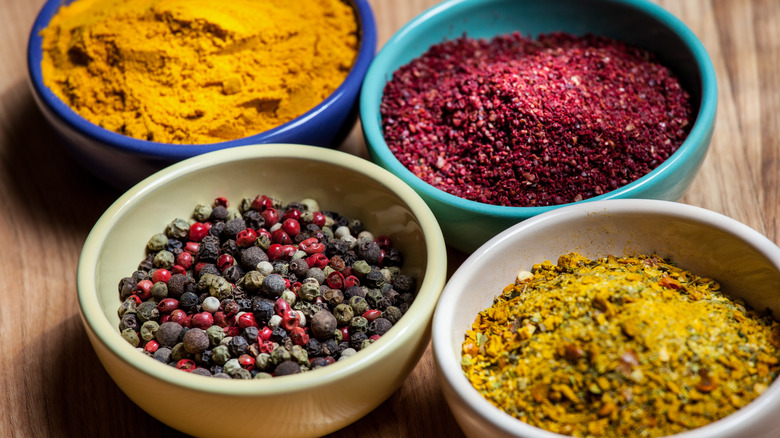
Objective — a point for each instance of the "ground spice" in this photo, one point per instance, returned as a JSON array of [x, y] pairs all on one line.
[[522, 122], [197, 71], [246, 292], [615, 347]]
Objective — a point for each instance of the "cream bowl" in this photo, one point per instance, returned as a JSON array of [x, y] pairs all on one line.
[[746, 264], [312, 403]]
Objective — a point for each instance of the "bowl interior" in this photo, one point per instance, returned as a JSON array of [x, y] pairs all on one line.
[[636, 22], [746, 264], [340, 182]]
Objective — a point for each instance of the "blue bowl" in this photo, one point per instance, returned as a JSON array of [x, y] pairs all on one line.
[[467, 224], [123, 161]]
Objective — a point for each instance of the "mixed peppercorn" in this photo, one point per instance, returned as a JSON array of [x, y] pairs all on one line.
[[616, 347], [267, 289], [524, 122]]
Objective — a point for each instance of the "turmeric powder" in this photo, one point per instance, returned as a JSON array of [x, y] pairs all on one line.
[[197, 71]]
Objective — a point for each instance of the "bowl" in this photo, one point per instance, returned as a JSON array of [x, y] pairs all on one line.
[[744, 262], [467, 224], [123, 161], [331, 397]]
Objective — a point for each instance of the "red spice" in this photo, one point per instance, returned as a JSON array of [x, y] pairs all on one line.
[[522, 122]]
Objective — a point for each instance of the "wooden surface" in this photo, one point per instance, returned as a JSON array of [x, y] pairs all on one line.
[[51, 383]]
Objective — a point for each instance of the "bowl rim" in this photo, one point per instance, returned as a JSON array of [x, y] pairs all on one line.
[[376, 77], [367, 34], [416, 320], [449, 370]]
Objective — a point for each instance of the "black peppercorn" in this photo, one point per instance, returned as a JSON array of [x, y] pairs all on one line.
[[251, 256], [262, 310], [232, 227], [127, 287], [218, 213], [379, 326], [356, 340], [370, 252], [404, 284], [237, 346], [187, 300], [278, 334], [286, 368], [129, 321], [274, 285]]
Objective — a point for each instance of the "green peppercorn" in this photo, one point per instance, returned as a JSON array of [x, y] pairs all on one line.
[[358, 304], [279, 355], [149, 330], [288, 296], [252, 281], [131, 337], [392, 314], [358, 324], [343, 313], [157, 242], [220, 354], [309, 290], [245, 204], [128, 306], [361, 268], [299, 354], [159, 291], [164, 259], [202, 212], [216, 286], [147, 311], [178, 229], [178, 352], [231, 367], [263, 362], [233, 213], [366, 343], [373, 296], [215, 334]]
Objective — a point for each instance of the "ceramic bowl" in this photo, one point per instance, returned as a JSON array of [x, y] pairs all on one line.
[[744, 262], [312, 403], [123, 161], [467, 224]]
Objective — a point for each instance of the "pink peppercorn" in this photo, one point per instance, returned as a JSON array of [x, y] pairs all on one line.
[[186, 365], [168, 305], [151, 346], [271, 217], [145, 289], [350, 281], [247, 362], [318, 219], [372, 314], [221, 201], [335, 280], [290, 320], [179, 316], [281, 307], [162, 275], [192, 247], [246, 238], [281, 237], [299, 336], [245, 320], [225, 261], [292, 227], [202, 320], [198, 231], [264, 334], [185, 260], [344, 333]]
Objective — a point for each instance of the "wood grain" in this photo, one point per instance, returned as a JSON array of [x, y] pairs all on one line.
[[51, 383]]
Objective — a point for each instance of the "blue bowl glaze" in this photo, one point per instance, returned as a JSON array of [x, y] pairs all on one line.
[[468, 224], [123, 161]]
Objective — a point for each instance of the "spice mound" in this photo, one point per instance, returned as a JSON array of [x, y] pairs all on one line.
[[527, 122], [264, 290], [617, 347], [197, 71]]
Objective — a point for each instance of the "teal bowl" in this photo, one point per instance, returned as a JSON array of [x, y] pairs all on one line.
[[467, 224]]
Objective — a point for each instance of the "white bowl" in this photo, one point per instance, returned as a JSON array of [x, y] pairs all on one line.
[[746, 264]]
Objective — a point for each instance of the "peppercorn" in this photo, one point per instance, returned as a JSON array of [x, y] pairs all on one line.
[[196, 341], [188, 300], [309, 289], [278, 334], [147, 311], [168, 333], [286, 368], [164, 259], [129, 321], [279, 355], [149, 330], [127, 287], [356, 340], [162, 354], [201, 372], [392, 314], [273, 285], [343, 313], [178, 352], [129, 305], [379, 326], [358, 304], [131, 337], [404, 284], [323, 323]]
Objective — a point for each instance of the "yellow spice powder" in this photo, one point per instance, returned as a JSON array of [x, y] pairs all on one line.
[[197, 71], [618, 347]]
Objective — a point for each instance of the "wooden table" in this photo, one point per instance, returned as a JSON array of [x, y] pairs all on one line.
[[51, 383]]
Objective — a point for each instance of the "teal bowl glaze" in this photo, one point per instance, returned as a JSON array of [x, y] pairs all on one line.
[[467, 224]]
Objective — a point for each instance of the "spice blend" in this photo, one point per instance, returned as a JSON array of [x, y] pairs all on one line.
[[265, 290], [615, 347], [526, 122], [197, 71]]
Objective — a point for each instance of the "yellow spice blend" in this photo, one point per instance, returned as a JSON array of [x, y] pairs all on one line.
[[197, 71], [619, 347]]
